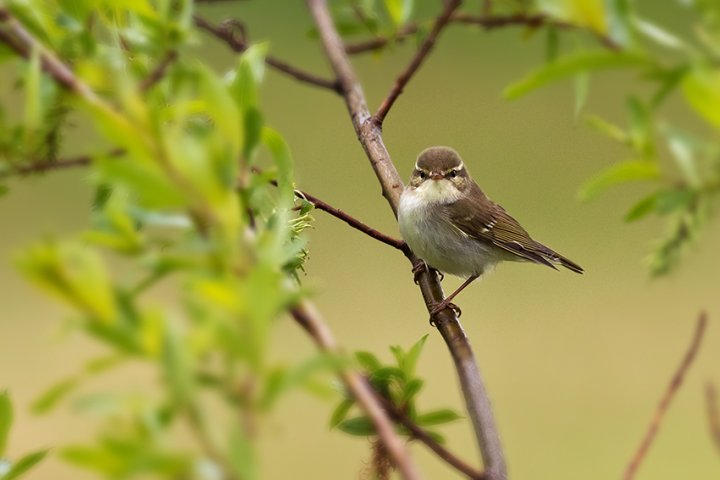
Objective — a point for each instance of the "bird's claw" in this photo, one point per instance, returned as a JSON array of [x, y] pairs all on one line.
[[417, 269], [421, 267], [439, 307]]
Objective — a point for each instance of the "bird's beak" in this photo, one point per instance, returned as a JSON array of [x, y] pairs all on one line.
[[436, 175]]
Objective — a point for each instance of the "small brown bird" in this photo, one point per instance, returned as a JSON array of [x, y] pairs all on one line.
[[449, 222]]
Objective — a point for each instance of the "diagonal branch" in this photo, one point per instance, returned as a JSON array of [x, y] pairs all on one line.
[[239, 45], [667, 397], [309, 318], [370, 136], [416, 61], [159, 71], [713, 414], [353, 222], [418, 433]]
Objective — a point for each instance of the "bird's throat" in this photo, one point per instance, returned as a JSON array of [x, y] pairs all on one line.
[[437, 191]]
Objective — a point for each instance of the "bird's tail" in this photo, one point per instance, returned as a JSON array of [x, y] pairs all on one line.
[[558, 259]]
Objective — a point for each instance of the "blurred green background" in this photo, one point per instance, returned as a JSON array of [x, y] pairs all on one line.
[[575, 364]]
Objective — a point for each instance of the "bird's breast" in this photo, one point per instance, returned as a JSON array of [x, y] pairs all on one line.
[[432, 236]]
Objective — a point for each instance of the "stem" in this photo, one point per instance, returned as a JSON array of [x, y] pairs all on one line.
[[309, 318], [713, 415], [420, 434], [667, 397], [239, 45], [416, 61], [353, 222], [370, 137]]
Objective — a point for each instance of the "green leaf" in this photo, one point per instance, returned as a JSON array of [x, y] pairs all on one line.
[[669, 201], [658, 35], [24, 464], [631, 170], [358, 426], [641, 131], [552, 44], [412, 357], [582, 84], [587, 13], [606, 128], [669, 81], [572, 65], [282, 158], [281, 381], [411, 389], [52, 396], [702, 91], [368, 361], [177, 364], [399, 10], [642, 208], [683, 149], [437, 417], [242, 456], [341, 412], [6, 419], [74, 273]]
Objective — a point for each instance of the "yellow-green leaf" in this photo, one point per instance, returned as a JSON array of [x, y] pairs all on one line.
[[572, 65], [702, 91], [632, 170]]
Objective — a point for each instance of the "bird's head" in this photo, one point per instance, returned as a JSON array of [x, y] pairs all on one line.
[[440, 175]]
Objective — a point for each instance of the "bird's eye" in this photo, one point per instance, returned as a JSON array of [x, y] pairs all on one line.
[[453, 174], [422, 174]]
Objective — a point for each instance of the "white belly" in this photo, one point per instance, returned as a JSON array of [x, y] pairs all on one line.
[[440, 244]]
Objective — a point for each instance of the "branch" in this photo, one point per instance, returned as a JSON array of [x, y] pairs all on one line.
[[353, 222], [421, 435], [225, 33], [488, 22], [309, 318], [20, 40], [370, 137], [672, 388], [713, 414], [159, 71], [61, 164], [416, 61]]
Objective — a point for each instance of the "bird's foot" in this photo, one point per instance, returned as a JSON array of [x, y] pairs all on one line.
[[421, 267], [439, 307]]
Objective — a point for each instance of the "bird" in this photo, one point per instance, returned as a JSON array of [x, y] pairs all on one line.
[[449, 222]]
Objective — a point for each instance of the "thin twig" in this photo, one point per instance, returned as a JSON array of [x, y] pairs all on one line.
[[370, 136], [353, 222], [238, 44], [309, 318], [417, 60], [713, 414], [20, 40], [667, 397], [487, 22], [159, 71], [418, 433], [43, 166]]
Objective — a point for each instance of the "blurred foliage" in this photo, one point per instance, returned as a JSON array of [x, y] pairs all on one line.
[[194, 190], [399, 385], [10, 470], [681, 167]]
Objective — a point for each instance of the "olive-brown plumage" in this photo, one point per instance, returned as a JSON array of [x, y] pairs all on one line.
[[449, 222]]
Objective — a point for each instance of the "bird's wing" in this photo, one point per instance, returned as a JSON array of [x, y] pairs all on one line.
[[480, 218]]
